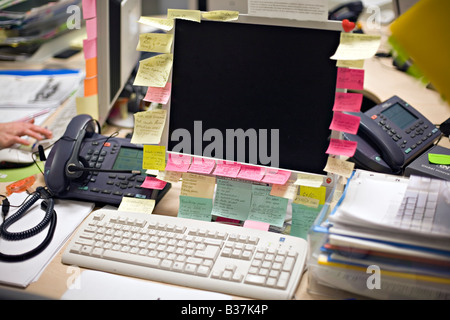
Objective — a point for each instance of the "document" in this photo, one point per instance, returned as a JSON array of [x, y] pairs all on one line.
[[155, 71], [195, 208], [267, 208], [149, 126], [199, 186], [233, 199]]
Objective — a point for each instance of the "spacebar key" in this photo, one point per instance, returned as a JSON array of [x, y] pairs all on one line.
[[131, 259]]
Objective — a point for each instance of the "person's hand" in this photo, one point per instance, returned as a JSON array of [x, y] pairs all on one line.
[[12, 133]]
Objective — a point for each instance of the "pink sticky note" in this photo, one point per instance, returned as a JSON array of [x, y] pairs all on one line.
[[159, 95], [178, 163], [345, 123], [342, 147], [91, 28], [202, 166], [89, 9], [251, 173], [350, 79], [90, 48], [256, 225], [153, 183], [276, 176], [348, 102], [227, 169]]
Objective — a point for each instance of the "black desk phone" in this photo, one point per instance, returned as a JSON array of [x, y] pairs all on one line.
[[86, 165], [391, 135]]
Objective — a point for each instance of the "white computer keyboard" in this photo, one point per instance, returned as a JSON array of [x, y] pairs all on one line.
[[203, 255]]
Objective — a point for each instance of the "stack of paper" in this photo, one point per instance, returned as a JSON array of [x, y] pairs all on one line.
[[375, 247]]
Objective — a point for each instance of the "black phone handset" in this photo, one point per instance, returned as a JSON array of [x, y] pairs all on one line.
[[388, 148], [65, 159]]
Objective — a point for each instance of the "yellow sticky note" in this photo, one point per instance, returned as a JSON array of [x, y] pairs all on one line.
[[169, 176], [308, 180], [307, 201], [339, 167], [288, 190], [191, 15], [199, 186], [357, 46], [154, 158], [155, 42], [154, 71], [137, 205], [221, 15], [160, 23], [149, 126], [88, 105], [314, 193], [356, 64]]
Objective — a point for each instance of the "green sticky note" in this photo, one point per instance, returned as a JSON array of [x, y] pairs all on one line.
[[232, 199], [439, 159], [195, 208], [267, 208], [303, 218]]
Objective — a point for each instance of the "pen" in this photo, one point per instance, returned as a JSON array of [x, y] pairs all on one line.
[[34, 115]]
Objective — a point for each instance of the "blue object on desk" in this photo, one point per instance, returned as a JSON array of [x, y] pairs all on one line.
[[38, 72]]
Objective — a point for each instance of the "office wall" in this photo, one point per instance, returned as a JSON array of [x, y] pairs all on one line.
[[153, 7]]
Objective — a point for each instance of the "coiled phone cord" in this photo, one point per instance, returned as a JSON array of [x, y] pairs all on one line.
[[50, 217]]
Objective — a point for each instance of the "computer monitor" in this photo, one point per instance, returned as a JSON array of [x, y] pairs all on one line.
[[401, 6], [118, 37], [257, 90]]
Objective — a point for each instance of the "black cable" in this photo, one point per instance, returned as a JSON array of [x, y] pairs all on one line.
[[50, 218]]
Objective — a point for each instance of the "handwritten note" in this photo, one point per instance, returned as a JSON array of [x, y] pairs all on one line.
[[169, 176], [356, 64], [350, 79], [232, 199], [149, 126], [221, 15], [137, 205], [154, 157], [339, 167], [357, 46], [275, 176], [348, 102], [303, 218], [153, 183], [314, 193], [288, 190], [159, 95], [227, 169], [310, 202], [178, 162], [155, 42], [199, 186], [342, 147], [267, 208], [201, 165], [345, 122], [154, 71], [251, 173], [309, 180], [191, 15], [195, 208], [160, 23]]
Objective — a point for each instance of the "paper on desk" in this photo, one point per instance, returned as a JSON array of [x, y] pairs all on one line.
[[94, 285], [70, 214]]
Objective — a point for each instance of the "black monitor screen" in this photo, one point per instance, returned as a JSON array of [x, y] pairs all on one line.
[[255, 94]]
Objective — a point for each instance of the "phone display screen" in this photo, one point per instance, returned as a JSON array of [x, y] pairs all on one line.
[[399, 116]]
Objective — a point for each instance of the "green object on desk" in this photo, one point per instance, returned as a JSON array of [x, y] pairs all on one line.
[[439, 159], [12, 175]]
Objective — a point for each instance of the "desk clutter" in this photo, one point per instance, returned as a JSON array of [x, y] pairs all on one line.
[[387, 238]]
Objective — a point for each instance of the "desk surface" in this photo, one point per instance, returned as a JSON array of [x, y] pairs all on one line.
[[382, 81]]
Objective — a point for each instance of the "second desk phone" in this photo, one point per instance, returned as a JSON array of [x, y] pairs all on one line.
[[86, 165], [391, 135]]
